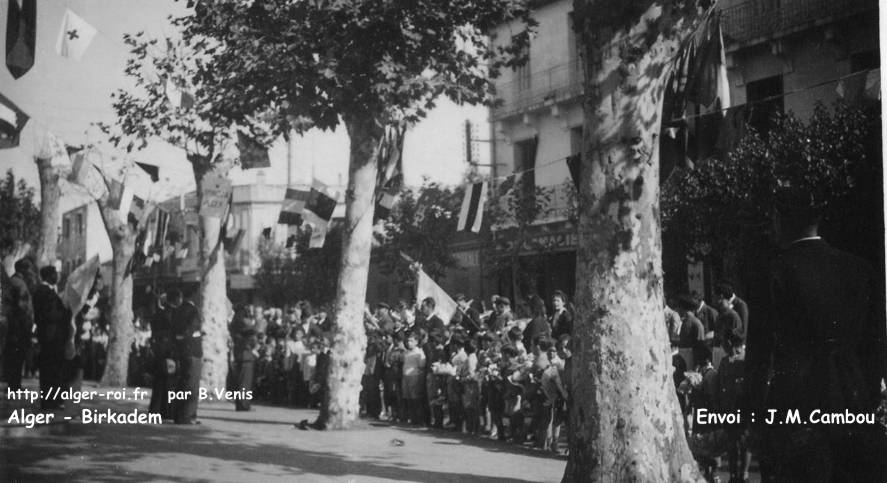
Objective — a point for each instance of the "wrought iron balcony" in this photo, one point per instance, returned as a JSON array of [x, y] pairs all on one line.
[[527, 92], [761, 19]]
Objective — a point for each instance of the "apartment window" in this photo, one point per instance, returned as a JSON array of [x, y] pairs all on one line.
[[867, 60], [522, 72], [765, 99], [66, 228], [79, 223], [525, 162]]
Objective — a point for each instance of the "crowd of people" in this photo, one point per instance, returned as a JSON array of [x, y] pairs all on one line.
[[487, 372]]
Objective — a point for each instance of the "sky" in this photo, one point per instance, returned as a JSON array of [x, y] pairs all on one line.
[[65, 97]]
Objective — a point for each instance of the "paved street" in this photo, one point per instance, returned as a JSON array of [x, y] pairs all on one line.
[[260, 445]]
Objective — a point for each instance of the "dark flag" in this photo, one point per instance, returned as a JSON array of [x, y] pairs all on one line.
[[472, 213], [293, 204], [152, 170], [12, 121], [252, 153], [574, 164], [21, 35], [319, 208]]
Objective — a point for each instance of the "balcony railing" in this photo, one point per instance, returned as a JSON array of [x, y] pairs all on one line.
[[763, 18], [524, 92]]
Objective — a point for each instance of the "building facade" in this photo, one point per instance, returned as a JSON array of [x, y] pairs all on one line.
[[782, 55]]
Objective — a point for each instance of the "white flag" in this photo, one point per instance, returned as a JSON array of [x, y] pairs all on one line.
[[79, 284], [74, 37], [446, 307]]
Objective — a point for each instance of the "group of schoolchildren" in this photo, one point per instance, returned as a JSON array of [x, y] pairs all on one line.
[[483, 373]]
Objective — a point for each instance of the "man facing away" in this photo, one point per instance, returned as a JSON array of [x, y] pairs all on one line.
[[821, 347], [19, 312], [53, 322], [186, 328]]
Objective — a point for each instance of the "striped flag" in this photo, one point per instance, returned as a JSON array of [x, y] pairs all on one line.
[[293, 204], [472, 213], [162, 225], [12, 121]]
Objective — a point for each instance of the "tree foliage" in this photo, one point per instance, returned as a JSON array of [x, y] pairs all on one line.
[[714, 205], [422, 225], [312, 63], [20, 222], [288, 275]]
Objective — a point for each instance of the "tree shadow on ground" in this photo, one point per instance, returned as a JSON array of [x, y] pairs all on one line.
[[107, 450]]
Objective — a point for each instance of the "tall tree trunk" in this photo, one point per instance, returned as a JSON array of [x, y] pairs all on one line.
[[213, 293], [626, 424], [341, 408], [121, 332], [49, 212]]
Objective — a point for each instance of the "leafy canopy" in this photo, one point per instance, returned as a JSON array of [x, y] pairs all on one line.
[[301, 64], [20, 222], [824, 158]]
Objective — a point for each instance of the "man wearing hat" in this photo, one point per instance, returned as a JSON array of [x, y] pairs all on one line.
[[53, 321], [821, 348], [502, 315], [466, 316]]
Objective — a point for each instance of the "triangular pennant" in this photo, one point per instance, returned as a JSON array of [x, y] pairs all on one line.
[[12, 121], [152, 170], [252, 153], [21, 36], [74, 37]]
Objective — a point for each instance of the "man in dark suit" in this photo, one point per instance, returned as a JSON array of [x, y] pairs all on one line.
[[706, 314], [466, 317], [19, 313], [53, 322], [164, 364], [725, 290], [187, 331], [820, 347], [432, 321]]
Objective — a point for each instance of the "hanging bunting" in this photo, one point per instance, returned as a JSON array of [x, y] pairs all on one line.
[[12, 121], [152, 170], [216, 192], [74, 37], [21, 36], [472, 213]]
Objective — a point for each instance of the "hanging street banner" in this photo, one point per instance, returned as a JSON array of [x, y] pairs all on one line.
[[216, 191]]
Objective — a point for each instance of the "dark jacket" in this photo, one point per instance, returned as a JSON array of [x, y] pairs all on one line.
[[52, 318], [561, 324], [824, 332], [707, 315], [728, 322], [741, 309], [187, 329], [18, 309]]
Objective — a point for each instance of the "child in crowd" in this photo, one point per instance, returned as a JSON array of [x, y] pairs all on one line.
[[413, 383]]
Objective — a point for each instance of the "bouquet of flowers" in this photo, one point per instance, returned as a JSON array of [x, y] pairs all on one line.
[[443, 369]]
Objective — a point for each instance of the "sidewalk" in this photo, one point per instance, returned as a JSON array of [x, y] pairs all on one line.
[[260, 445]]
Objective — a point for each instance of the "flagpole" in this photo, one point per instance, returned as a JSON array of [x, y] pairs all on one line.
[[289, 159]]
